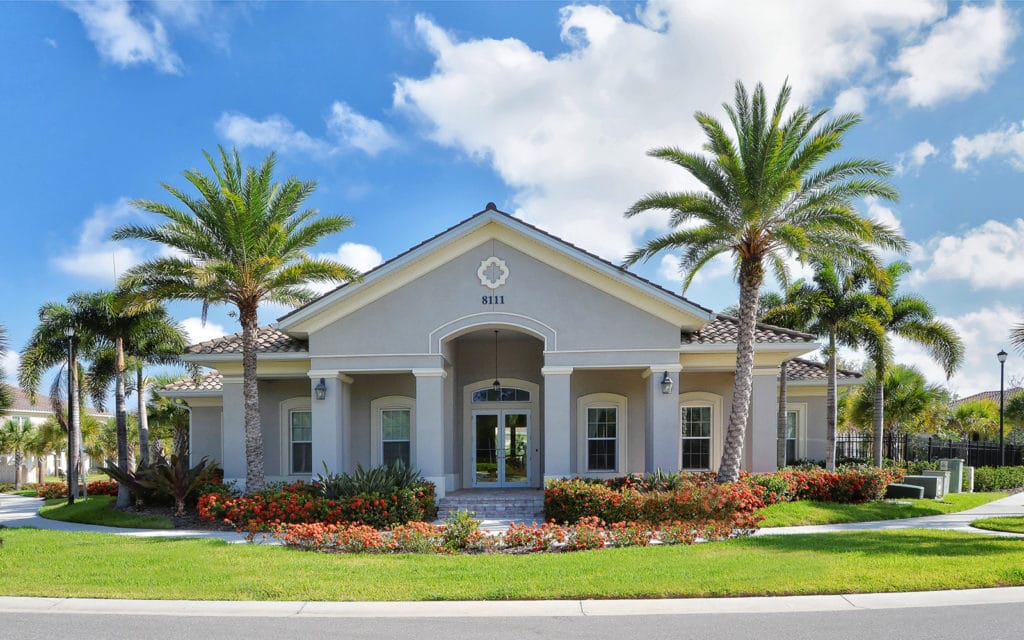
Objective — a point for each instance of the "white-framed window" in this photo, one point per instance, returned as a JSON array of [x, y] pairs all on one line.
[[700, 430], [601, 441], [396, 436], [393, 430], [796, 432], [300, 442]]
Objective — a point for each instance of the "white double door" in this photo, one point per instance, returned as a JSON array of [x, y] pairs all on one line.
[[501, 448]]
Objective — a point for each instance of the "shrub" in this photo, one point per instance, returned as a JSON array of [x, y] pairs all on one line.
[[418, 537], [320, 536], [165, 481], [850, 485], [6, 487], [458, 530], [523, 538], [102, 488], [998, 478], [629, 534], [52, 490]]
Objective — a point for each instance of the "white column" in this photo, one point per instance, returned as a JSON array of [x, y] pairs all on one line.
[[762, 428], [233, 432], [558, 427], [429, 454], [330, 421], [662, 428]]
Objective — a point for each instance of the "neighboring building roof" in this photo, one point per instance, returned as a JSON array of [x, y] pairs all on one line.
[[989, 395], [268, 340], [212, 381], [23, 403], [491, 210], [725, 330], [799, 369]]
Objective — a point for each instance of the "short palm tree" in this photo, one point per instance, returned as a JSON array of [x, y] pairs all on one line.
[[911, 318], [912, 404], [51, 439], [767, 198], [243, 241], [16, 437], [50, 346], [833, 305]]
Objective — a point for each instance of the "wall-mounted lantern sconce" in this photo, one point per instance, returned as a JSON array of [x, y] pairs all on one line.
[[321, 389], [666, 384]]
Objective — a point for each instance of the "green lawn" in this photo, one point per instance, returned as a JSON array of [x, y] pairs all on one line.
[[1012, 524], [107, 566], [790, 514], [100, 510], [25, 493]]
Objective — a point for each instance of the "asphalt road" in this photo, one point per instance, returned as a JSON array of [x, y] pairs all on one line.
[[987, 622]]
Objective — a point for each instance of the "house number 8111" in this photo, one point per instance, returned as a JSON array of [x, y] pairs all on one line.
[[492, 299]]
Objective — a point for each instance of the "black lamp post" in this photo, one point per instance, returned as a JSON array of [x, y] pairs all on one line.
[[1002, 370], [72, 477]]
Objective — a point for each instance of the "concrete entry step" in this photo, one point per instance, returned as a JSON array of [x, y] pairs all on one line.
[[516, 504]]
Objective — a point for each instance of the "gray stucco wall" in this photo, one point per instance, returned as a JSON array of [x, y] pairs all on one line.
[[275, 430], [206, 434], [626, 383], [815, 423], [453, 290], [365, 389]]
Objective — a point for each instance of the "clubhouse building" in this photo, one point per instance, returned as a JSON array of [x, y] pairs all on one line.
[[497, 355]]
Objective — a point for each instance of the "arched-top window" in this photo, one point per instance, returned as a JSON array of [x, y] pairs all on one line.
[[502, 394]]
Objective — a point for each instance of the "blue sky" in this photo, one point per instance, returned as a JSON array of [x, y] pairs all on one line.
[[411, 116]]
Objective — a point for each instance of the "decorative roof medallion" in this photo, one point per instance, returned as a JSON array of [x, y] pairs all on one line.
[[493, 272]]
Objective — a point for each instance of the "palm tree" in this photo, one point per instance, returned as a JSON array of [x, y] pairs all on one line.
[[835, 306], [975, 418], [169, 415], [5, 392], [912, 405], [51, 438], [16, 437], [765, 200], [911, 318], [242, 242], [49, 346]]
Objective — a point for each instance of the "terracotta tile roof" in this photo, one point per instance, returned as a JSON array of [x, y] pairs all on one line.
[[22, 402], [212, 381], [725, 329], [801, 369], [491, 208], [990, 395], [268, 340]]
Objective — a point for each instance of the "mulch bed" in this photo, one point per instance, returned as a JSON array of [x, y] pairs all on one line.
[[190, 520]]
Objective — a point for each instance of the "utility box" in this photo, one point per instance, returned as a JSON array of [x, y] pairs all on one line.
[[955, 466], [932, 485], [946, 480]]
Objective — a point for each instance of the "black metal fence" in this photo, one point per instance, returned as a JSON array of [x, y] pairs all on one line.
[[855, 447]]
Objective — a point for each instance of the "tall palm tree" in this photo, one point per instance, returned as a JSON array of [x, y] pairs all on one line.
[[6, 399], [16, 437], [833, 305], [766, 198], [50, 346], [911, 318], [243, 241]]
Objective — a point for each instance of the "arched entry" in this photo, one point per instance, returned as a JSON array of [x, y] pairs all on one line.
[[501, 433]]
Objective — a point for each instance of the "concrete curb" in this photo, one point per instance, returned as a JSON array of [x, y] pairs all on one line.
[[538, 608]]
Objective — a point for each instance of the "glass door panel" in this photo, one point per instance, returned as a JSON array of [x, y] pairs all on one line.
[[515, 448], [486, 458]]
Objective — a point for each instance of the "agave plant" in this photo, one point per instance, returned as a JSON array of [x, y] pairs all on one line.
[[379, 480]]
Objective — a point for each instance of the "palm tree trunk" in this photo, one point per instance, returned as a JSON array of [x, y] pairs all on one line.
[[831, 416], [879, 408], [751, 276], [780, 444], [41, 468], [254, 478], [74, 425], [19, 459], [121, 417], [140, 390]]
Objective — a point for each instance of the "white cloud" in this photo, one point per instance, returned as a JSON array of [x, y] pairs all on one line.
[[569, 133], [52, 42], [126, 39], [95, 255], [990, 256], [196, 331], [961, 55], [355, 130], [9, 365], [274, 132], [852, 100], [984, 332], [719, 267], [362, 257], [915, 158], [347, 130], [1008, 142]]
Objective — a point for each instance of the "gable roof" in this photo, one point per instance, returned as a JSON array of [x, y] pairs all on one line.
[[491, 214], [22, 402], [989, 395], [724, 329]]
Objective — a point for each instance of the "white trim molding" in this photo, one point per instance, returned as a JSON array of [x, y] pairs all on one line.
[[702, 399], [602, 401], [285, 409], [377, 405]]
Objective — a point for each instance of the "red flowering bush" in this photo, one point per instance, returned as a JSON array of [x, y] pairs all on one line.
[[52, 490], [532, 538], [696, 501], [319, 536], [102, 488], [850, 485], [418, 537], [589, 533]]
